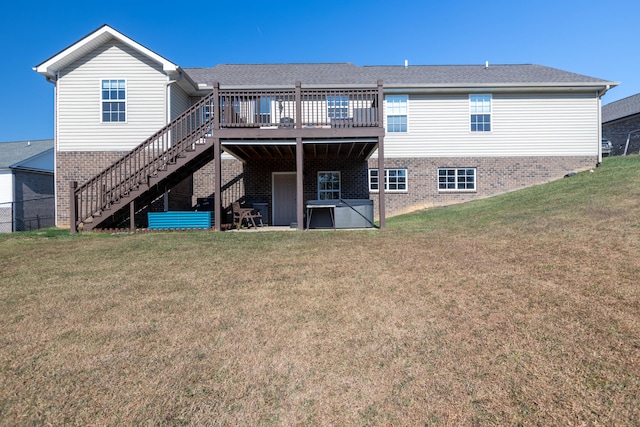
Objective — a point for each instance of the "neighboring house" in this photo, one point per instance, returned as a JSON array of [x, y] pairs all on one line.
[[621, 125], [26, 185], [131, 126]]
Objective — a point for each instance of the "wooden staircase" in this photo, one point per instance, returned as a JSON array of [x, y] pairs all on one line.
[[143, 174]]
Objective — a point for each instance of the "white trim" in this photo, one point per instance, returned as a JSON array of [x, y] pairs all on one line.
[[126, 102], [51, 66], [458, 190], [386, 113], [385, 180], [481, 113]]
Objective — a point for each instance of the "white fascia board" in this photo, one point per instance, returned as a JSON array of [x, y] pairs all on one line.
[[510, 87], [51, 66]]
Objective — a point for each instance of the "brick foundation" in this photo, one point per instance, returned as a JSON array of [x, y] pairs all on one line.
[[252, 181], [494, 175]]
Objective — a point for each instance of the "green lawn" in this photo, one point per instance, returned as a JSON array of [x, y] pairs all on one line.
[[519, 309]]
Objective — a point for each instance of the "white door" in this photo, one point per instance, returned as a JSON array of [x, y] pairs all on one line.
[[284, 198]]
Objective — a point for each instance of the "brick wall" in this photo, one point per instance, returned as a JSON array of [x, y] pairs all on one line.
[[81, 166], [494, 175], [617, 132], [252, 181]]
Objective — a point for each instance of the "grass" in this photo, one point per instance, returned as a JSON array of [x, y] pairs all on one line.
[[522, 309]]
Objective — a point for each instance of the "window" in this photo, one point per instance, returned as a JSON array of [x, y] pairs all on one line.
[[328, 185], [263, 113], [338, 107], [397, 113], [480, 108], [463, 179], [394, 180], [114, 101]]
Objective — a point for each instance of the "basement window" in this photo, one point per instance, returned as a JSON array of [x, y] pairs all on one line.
[[394, 180], [456, 179]]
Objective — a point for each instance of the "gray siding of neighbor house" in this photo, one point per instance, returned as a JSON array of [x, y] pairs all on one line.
[[34, 203], [618, 131]]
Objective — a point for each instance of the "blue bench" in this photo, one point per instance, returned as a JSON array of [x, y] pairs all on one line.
[[179, 220]]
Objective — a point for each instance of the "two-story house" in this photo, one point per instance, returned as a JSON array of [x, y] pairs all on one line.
[[135, 132]]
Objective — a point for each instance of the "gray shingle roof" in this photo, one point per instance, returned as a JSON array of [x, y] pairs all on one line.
[[622, 108], [414, 75], [16, 152]]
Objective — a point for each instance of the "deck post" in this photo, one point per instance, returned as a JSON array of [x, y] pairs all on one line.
[[298, 105], [216, 106], [73, 207], [381, 204], [300, 183], [132, 216], [217, 185]]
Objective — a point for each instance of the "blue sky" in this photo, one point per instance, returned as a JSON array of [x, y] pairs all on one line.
[[597, 38]]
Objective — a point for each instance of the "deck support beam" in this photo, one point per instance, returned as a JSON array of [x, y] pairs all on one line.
[[73, 207], [300, 183], [217, 186], [381, 204], [132, 216]]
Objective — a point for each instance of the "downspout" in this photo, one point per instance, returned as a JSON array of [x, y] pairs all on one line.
[[600, 94], [54, 82], [168, 94], [165, 196]]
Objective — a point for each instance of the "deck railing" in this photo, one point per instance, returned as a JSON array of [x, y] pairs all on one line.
[[294, 108], [318, 108]]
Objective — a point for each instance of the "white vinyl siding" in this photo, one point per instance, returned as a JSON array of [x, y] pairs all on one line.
[[80, 107], [180, 101], [551, 124]]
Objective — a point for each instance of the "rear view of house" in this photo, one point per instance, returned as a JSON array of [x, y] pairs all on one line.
[[137, 133]]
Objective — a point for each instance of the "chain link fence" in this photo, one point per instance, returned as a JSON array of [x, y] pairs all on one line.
[[27, 215]]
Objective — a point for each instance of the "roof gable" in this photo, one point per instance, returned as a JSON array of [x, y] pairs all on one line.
[[102, 35]]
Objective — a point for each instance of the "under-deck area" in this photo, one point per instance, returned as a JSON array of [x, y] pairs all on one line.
[[333, 126]]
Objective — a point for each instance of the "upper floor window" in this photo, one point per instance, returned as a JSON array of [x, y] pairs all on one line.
[[480, 109], [338, 107], [397, 113], [394, 180], [114, 99], [328, 185]]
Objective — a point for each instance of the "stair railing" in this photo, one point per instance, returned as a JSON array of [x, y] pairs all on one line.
[[144, 161]]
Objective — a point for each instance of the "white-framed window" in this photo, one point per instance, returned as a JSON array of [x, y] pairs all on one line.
[[394, 180], [338, 107], [456, 179], [480, 113], [397, 113], [114, 100], [263, 109], [329, 185]]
